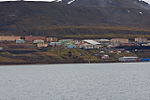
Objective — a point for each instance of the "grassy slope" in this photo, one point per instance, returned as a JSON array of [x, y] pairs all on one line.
[[57, 55]]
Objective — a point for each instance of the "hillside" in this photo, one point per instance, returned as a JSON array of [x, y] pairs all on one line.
[[81, 17]]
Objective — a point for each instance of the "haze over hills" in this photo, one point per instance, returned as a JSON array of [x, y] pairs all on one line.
[[77, 17]]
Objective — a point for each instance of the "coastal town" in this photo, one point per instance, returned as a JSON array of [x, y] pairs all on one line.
[[23, 49]]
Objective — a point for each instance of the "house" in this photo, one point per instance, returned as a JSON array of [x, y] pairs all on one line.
[[141, 40], [119, 40], [9, 38], [51, 39], [90, 44], [41, 45], [32, 38], [20, 41], [102, 52], [105, 57], [39, 41]]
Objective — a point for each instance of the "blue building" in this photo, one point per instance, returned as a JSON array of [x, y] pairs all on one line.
[[55, 44], [145, 59], [71, 46]]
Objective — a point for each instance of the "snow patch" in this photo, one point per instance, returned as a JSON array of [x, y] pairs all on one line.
[[147, 1], [71, 1], [141, 13], [58, 0]]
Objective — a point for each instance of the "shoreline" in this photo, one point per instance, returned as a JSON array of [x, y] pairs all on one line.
[[1, 64]]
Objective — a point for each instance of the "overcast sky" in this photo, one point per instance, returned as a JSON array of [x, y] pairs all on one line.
[[53, 0]]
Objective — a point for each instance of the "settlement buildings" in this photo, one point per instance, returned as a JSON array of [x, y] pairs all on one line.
[[105, 47], [90, 44], [33, 38], [9, 38]]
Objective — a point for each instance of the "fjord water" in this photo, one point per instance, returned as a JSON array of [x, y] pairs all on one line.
[[128, 81]]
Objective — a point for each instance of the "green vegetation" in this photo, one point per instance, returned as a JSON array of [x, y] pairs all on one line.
[[52, 55]]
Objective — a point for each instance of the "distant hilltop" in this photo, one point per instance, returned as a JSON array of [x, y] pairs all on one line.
[[76, 18]]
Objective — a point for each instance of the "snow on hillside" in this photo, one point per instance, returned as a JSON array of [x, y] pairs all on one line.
[[70, 1], [148, 1]]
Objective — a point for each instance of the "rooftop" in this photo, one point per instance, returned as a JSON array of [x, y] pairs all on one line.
[[92, 42]]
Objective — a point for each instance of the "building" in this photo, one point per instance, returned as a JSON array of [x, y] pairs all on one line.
[[103, 40], [66, 40], [42, 45], [128, 59], [119, 40], [55, 44], [128, 44], [141, 40], [89, 46], [105, 57], [71, 46], [20, 41], [51, 39], [145, 59], [32, 38], [39, 41], [9, 38], [91, 42]]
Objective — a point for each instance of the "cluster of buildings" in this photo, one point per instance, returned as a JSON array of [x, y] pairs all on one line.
[[43, 41], [109, 45]]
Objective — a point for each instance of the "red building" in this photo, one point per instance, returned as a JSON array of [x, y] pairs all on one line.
[[32, 38]]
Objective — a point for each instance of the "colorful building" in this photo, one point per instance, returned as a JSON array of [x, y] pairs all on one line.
[[51, 39], [55, 44], [71, 46]]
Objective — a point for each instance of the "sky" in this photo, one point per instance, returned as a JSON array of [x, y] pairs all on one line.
[[148, 1]]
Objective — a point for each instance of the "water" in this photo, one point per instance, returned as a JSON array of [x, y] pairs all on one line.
[[129, 81]]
